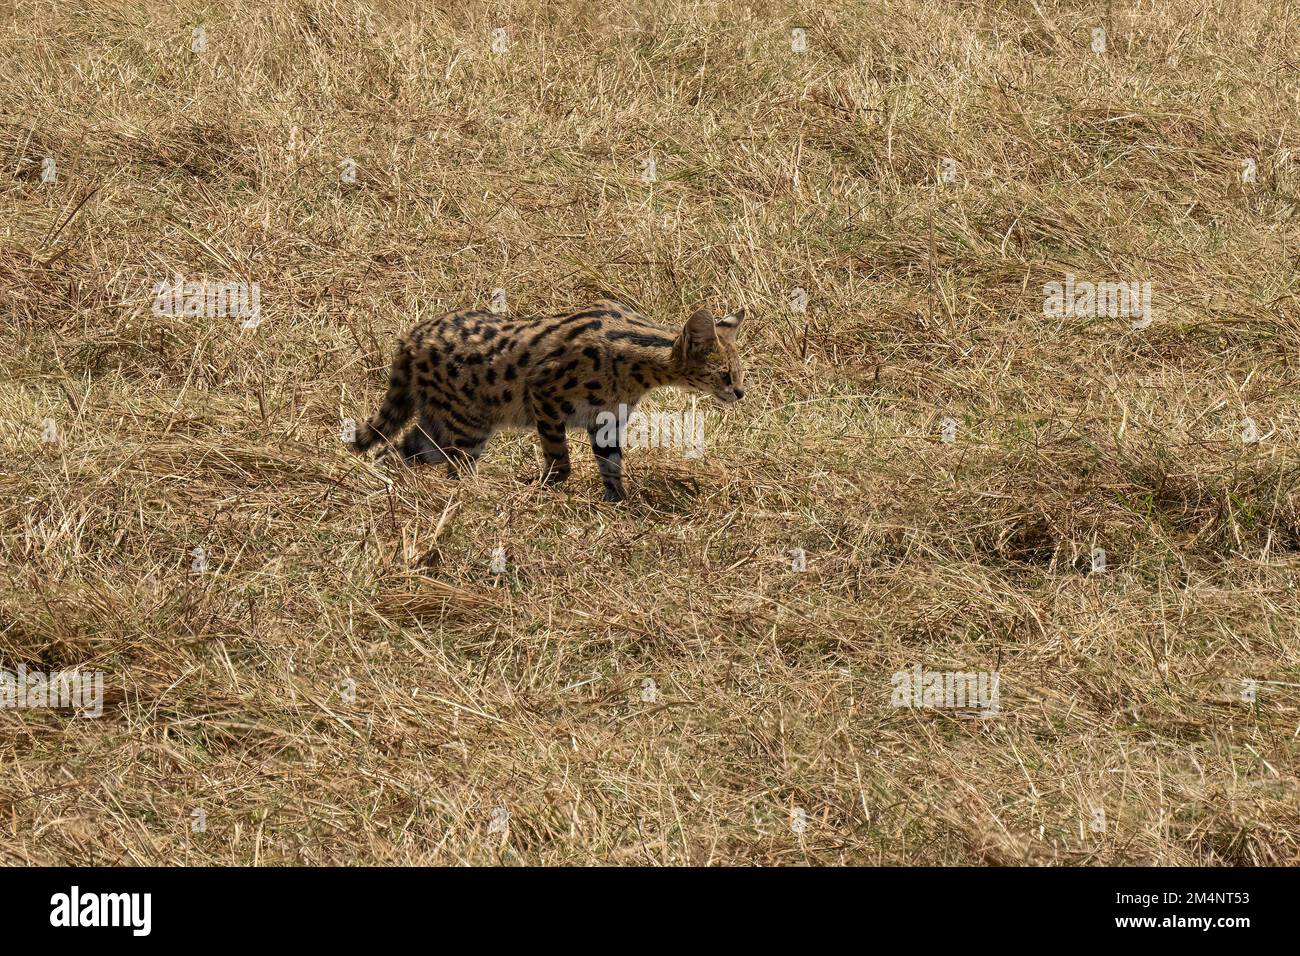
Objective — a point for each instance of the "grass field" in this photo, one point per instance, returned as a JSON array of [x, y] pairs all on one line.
[[349, 681]]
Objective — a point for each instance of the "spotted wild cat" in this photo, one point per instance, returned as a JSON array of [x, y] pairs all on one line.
[[469, 374]]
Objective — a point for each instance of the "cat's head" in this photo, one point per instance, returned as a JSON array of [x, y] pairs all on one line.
[[706, 356]]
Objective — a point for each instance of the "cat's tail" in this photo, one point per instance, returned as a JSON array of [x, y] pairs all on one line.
[[397, 408]]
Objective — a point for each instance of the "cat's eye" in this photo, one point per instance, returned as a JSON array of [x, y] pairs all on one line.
[[726, 378]]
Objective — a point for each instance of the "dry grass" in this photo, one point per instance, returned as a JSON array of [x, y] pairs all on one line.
[[522, 171]]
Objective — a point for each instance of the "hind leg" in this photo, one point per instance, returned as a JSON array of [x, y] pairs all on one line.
[[396, 410], [463, 444], [424, 444], [463, 454]]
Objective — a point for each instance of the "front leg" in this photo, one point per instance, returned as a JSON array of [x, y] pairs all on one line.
[[555, 448], [607, 447]]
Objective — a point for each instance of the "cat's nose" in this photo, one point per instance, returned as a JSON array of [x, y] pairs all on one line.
[[740, 392]]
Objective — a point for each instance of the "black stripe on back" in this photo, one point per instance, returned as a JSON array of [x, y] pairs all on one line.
[[640, 338]]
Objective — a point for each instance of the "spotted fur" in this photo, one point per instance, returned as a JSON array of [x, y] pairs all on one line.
[[466, 375]]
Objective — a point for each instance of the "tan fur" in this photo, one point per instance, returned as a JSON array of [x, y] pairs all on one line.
[[469, 374]]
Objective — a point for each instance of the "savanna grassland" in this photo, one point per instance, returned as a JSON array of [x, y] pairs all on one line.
[[653, 683]]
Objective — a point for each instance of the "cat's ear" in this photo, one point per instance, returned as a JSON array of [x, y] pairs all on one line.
[[727, 325], [698, 336]]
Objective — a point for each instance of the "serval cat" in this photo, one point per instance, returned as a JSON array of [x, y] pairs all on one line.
[[467, 375]]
